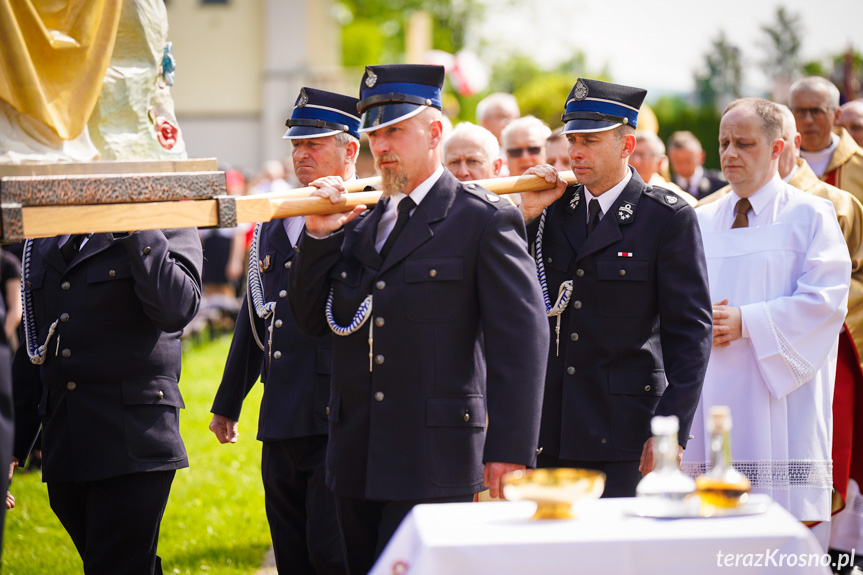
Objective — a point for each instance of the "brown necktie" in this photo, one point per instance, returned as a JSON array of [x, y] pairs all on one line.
[[740, 219]]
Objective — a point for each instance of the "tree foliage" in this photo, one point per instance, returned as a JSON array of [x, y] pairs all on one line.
[[722, 76], [782, 43]]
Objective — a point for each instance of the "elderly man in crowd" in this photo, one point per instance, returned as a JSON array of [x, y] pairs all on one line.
[[775, 340], [494, 113], [831, 151], [648, 160], [687, 162], [557, 151], [524, 144], [446, 396], [851, 118], [471, 153]]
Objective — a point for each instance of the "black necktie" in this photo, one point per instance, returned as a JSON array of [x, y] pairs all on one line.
[[594, 210], [404, 209], [71, 247]]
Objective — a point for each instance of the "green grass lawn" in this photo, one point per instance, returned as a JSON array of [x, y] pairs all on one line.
[[215, 521]]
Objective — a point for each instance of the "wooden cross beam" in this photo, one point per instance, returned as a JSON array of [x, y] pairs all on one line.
[[46, 204]]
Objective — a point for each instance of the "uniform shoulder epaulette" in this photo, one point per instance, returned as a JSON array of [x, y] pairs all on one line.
[[486, 196], [665, 197]]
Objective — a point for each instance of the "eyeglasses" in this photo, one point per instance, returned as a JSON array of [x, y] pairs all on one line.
[[518, 152], [817, 113]]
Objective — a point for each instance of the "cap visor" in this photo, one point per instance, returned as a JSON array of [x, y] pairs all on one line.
[[583, 126], [305, 132], [387, 114]]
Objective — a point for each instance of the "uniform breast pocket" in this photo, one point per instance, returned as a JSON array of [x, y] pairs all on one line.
[[433, 285], [623, 285], [151, 417], [109, 271]]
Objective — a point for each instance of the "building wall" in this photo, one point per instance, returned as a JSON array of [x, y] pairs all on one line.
[[240, 66]]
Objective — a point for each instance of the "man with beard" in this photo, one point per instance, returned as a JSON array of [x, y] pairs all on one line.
[[295, 368], [438, 321]]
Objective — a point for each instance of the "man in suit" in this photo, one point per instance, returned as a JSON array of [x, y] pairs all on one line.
[[632, 324], [438, 324], [687, 162], [294, 368], [101, 365]]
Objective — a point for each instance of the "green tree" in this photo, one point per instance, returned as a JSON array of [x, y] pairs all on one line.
[[782, 43], [722, 76]]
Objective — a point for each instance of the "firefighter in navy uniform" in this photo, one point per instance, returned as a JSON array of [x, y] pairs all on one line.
[[294, 368], [438, 320], [100, 371], [622, 268]]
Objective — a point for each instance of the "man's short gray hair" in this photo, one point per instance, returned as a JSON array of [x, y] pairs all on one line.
[[651, 140], [497, 99], [344, 138], [768, 112], [530, 123], [816, 84], [469, 130]]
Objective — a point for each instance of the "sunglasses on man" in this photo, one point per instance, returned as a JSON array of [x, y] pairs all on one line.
[[518, 152]]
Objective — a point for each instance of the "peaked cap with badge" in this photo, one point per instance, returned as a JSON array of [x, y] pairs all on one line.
[[396, 92], [595, 106], [318, 113]]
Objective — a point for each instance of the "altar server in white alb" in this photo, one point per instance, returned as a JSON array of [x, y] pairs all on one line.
[[779, 273]]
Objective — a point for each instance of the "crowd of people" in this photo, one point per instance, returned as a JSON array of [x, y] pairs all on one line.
[[417, 351]]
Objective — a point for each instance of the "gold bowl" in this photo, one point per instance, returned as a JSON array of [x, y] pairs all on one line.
[[553, 490]]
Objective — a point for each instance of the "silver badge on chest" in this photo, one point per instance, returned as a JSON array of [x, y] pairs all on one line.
[[671, 199], [573, 202]]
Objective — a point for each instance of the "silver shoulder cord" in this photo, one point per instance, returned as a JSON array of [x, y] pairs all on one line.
[[255, 292], [35, 352], [564, 292]]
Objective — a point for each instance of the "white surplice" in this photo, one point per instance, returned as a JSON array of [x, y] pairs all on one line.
[[789, 274]]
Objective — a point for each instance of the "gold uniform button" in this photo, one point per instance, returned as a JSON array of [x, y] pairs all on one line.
[[579, 272], [603, 442], [570, 370], [283, 293], [161, 394], [432, 273], [65, 285], [381, 284], [573, 337], [622, 272], [646, 388], [576, 304], [111, 273], [343, 275], [379, 396], [466, 417], [279, 323], [277, 354], [287, 265], [328, 410], [146, 250], [71, 386], [64, 317], [379, 359], [66, 352], [379, 322]]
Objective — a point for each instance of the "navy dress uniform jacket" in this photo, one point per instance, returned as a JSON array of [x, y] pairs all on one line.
[[108, 392], [636, 335], [296, 373], [458, 334]]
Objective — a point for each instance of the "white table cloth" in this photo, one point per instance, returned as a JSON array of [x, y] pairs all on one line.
[[501, 538]]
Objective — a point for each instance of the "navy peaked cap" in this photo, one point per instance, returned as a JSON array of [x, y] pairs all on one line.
[[392, 93], [318, 113], [594, 106]]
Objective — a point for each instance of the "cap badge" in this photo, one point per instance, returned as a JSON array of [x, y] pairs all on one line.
[[493, 198], [303, 99], [573, 202], [671, 199], [580, 92], [624, 212], [371, 78]]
